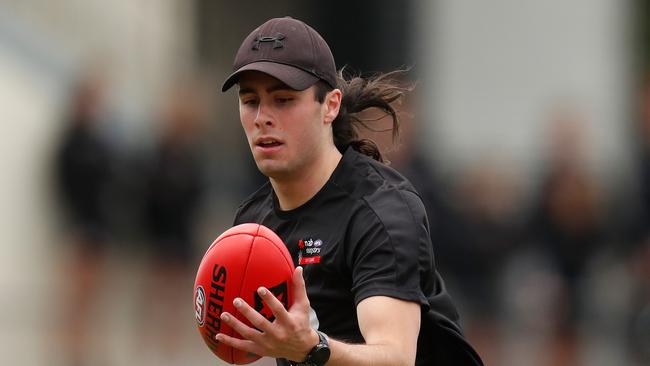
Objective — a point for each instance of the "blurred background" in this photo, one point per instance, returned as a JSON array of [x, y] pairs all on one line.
[[528, 137]]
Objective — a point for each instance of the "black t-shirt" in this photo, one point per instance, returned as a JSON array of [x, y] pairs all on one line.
[[365, 233]]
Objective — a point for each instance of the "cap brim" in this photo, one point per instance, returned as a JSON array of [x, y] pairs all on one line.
[[294, 77]]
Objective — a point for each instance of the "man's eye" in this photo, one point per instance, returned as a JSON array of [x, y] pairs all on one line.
[[283, 99], [249, 101]]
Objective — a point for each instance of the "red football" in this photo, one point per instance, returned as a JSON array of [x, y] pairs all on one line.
[[237, 263]]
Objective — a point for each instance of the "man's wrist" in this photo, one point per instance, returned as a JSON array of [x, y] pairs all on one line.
[[319, 354]]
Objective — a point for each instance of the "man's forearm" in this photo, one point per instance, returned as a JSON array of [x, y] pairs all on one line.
[[345, 354]]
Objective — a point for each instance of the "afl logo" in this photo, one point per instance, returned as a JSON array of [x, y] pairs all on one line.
[[199, 305]]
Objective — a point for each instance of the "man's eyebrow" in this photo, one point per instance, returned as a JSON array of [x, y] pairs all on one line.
[[271, 89], [280, 86], [243, 91]]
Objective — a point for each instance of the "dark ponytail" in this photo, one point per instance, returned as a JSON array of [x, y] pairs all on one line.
[[359, 94]]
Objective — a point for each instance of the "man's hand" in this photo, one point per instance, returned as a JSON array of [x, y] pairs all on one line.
[[289, 336], [389, 326]]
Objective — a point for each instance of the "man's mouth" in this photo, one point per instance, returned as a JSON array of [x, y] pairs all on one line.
[[268, 142]]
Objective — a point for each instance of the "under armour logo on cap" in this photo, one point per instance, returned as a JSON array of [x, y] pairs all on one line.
[[277, 41]]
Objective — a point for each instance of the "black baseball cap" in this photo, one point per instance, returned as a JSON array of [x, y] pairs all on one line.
[[287, 49]]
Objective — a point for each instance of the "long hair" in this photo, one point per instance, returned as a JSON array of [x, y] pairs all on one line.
[[379, 91]]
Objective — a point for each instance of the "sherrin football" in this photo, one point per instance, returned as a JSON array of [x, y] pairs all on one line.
[[237, 263]]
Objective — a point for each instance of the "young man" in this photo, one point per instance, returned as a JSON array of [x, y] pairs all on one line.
[[366, 290]]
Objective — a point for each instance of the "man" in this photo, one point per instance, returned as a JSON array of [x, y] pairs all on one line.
[[366, 291]]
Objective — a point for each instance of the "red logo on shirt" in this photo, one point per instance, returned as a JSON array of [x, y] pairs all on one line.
[[309, 251]]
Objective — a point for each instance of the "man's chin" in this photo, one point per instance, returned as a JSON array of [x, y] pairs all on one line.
[[273, 171]]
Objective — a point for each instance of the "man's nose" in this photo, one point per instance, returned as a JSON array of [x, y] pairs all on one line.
[[263, 117]]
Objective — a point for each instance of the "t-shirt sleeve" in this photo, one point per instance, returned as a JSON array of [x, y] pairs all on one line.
[[390, 247]]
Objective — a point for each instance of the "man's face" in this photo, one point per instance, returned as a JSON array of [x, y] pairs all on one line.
[[285, 128]]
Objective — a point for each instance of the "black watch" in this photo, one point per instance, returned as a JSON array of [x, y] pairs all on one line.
[[318, 355]]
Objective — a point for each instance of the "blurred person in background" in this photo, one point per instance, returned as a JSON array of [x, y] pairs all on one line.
[[172, 192], [568, 227], [639, 321], [639, 253], [487, 228], [84, 165]]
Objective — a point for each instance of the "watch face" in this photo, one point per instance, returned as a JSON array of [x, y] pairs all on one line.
[[320, 355]]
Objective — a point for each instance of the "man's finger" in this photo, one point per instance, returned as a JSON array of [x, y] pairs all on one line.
[[299, 289], [277, 308], [241, 344], [256, 319], [238, 326]]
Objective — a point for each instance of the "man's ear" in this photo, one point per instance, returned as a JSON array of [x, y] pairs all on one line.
[[332, 105]]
